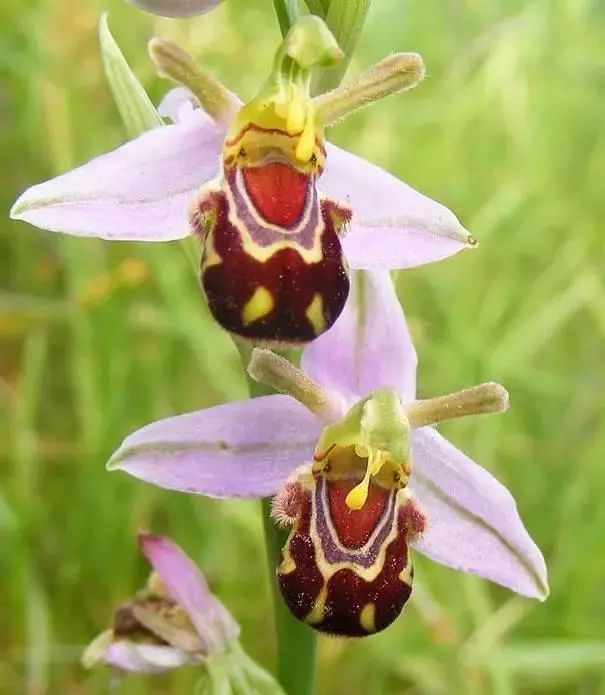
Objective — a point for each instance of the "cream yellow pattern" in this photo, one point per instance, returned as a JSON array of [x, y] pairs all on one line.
[[316, 615], [315, 314], [367, 617], [263, 253], [259, 305]]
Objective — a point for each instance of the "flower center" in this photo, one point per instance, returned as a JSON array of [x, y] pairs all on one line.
[[370, 445], [366, 466], [375, 461]]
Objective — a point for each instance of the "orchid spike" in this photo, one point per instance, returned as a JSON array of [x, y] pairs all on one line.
[[176, 621], [284, 215], [361, 465]]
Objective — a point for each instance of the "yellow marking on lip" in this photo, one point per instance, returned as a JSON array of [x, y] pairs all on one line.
[[406, 575], [316, 615], [315, 314], [210, 257], [259, 305], [367, 617], [287, 564]]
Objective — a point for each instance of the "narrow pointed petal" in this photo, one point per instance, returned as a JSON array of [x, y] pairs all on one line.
[[145, 658], [243, 449], [369, 345], [474, 524], [393, 225], [176, 8], [188, 587], [138, 192]]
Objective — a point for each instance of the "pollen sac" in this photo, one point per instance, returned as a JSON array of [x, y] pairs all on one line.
[[346, 571], [272, 267]]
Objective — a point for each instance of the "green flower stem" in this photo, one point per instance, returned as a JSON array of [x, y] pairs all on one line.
[[296, 643]]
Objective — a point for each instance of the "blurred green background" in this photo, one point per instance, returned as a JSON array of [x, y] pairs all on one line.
[[100, 338]]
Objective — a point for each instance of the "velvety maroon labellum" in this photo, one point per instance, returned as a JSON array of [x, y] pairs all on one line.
[[346, 572], [272, 268]]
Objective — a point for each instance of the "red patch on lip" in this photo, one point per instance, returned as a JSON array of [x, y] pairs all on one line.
[[278, 192], [355, 526]]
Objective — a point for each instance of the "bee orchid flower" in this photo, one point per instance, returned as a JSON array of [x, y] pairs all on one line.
[[281, 215], [359, 472]]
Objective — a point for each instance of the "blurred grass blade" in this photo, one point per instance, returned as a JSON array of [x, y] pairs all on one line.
[[554, 663], [135, 107], [39, 639], [31, 385]]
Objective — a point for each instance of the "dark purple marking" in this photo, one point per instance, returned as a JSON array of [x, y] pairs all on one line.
[[292, 282]]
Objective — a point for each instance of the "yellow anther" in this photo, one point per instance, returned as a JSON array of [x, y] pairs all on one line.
[[306, 142], [359, 494], [295, 120]]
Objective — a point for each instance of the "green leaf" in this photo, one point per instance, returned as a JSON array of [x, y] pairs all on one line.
[[287, 13], [136, 108], [345, 19], [318, 7]]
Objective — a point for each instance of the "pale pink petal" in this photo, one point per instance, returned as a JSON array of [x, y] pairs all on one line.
[[145, 658], [243, 449], [138, 192], [175, 8], [187, 586], [393, 225], [177, 104], [369, 345], [474, 524]]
